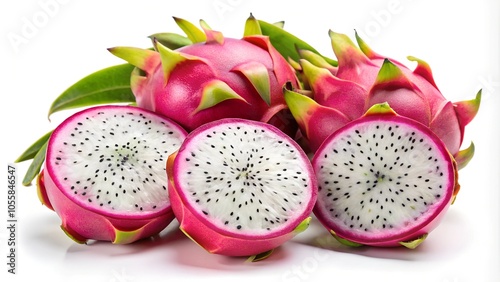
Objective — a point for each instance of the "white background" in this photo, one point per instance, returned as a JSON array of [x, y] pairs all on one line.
[[68, 41]]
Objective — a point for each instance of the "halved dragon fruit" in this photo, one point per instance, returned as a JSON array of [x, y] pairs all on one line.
[[384, 180], [240, 187], [105, 174]]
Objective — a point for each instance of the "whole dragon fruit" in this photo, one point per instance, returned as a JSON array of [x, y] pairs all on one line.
[[213, 78], [364, 78]]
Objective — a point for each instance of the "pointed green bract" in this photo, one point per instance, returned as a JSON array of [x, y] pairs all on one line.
[[316, 59], [365, 48], [412, 244], [73, 235], [467, 110], [378, 109], [204, 25], [127, 237], [312, 72], [136, 56], [216, 92], [294, 64], [346, 51], [137, 80], [261, 256], [391, 76], [423, 69], [388, 72], [170, 59], [258, 76], [192, 32], [212, 35], [302, 226], [343, 241], [299, 104], [316, 122], [32, 150], [35, 166], [463, 157], [171, 40], [252, 27], [109, 85], [42, 192]]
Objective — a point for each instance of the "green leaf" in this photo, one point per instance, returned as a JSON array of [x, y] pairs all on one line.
[[109, 85], [36, 165], [287, 43], [171, 40], [34, 148]]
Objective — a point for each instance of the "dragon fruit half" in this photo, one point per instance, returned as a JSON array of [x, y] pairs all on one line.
[[384, 180], [104, 173], [364, 78], [213, 78], [240, 187]]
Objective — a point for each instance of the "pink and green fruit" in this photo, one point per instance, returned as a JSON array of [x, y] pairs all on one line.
[[364, 78], [240, 187], [105, 173], [384, 180], [213, 78]]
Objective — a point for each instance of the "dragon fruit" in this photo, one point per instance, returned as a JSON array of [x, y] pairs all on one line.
[[213, 78], [384, 180], [105, 175], [240, 187], [364, 78]]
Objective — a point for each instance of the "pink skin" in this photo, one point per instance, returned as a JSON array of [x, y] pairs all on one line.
[[320, 123], [347, 97], [220, 241], [85, 222], [416, 229], [413, 94], [180, 97], [215, 240]]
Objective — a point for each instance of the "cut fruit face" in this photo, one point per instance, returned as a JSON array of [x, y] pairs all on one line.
[[244, 177], [382, 178], [112, 159]]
